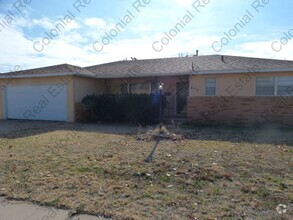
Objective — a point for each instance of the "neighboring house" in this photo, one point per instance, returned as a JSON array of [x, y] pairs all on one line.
[[211, 89]]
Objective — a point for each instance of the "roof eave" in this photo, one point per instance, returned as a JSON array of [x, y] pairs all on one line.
[[143, 75], [252, 70], [17, 76]]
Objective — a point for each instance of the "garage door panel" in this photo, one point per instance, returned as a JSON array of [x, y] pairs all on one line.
[[37, 102]]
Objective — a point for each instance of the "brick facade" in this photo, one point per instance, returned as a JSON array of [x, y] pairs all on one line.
[[81, 113], [275, 110]]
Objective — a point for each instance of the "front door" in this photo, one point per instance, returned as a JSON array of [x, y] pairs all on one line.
[[182, 92]]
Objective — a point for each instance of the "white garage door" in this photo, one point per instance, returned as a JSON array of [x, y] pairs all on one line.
[[36, 102]]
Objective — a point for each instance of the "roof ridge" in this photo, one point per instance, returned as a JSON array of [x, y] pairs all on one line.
[[190, 57], [146, 59], [256, 58]]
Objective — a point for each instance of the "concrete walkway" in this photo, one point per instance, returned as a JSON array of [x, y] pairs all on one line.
[[15, 210]]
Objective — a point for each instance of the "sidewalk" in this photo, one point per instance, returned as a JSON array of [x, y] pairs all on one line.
[[15, 210]]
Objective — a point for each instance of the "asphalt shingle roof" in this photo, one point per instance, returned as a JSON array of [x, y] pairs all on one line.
[[62, 68], [210, 64], [187, 66]]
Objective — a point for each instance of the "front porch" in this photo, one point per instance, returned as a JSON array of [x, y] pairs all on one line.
[[175, 88]]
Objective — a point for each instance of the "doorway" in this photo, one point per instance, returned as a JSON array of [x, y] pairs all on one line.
[[182, 92]]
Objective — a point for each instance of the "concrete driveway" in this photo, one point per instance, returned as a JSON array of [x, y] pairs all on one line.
[[15, 128], [15, 210]]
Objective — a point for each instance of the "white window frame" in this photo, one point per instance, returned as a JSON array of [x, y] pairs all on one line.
[[275, 84], [205, 87]]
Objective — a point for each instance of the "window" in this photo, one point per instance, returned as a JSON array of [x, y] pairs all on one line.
[[265, 86], [139, 88], [135, 88], [270, 86], [210, 87], [285, 86]]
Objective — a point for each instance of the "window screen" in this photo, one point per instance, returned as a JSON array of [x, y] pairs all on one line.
[[210, 87], [265, 86], [285, 86]]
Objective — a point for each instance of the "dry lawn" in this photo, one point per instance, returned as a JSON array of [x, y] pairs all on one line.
[[214, 174]]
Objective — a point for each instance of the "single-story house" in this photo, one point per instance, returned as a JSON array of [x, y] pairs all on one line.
[[212, 89]]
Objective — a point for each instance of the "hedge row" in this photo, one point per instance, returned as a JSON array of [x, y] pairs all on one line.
[[125, 108]]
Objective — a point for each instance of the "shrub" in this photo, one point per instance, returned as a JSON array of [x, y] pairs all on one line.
[[131, 108]]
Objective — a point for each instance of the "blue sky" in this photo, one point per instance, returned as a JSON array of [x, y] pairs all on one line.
[[86, 33]]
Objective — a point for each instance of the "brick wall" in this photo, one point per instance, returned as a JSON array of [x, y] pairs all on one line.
[[80, 112], [241, 110]]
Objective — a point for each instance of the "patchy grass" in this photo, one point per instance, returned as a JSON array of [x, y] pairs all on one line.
[[214, 174]]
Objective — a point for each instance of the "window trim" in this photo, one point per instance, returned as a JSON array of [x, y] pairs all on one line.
[[205, 87], [276, 81], [275, 78], [277, 84]]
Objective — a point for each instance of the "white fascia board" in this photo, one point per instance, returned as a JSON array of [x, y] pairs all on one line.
[[15, 76], [256, 70]]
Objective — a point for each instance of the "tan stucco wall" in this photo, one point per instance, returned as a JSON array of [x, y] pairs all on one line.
[[55, 81], [230, 84], [81, 88], [87, 86]]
